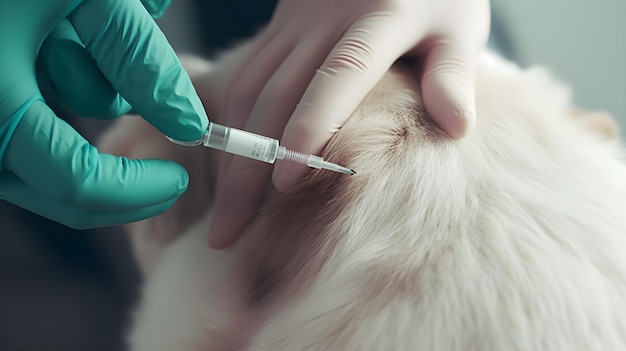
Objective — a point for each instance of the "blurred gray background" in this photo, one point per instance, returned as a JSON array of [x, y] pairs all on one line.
[[582, 41]]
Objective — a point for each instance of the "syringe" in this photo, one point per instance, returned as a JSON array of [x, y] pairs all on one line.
[[258, 147]]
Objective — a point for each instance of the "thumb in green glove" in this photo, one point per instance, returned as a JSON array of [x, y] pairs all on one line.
[[46, 166]]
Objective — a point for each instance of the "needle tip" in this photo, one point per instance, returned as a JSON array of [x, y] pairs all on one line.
[[337, 168], [346, 171]]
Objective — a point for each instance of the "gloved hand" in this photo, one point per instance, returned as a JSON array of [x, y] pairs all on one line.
[[45, 165], [318, 59]]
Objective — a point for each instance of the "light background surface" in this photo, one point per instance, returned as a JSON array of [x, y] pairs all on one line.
[[582, 41]]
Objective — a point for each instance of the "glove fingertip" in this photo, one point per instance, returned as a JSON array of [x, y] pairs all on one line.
[[450, 103], [221, 235], [157, 180], [458, 123], [182, 183], [219, 241], [287, 174]]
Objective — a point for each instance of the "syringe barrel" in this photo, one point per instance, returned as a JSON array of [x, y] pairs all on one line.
[[239, 142]]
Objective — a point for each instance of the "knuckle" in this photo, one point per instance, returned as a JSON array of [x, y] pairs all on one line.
[[352, 53], [453, 66], [304, 126], [86, 165]]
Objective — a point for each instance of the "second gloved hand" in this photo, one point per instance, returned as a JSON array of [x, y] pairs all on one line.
[[316, 61]]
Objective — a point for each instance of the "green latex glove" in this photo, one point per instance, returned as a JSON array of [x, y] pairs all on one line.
[[45, 165], [70, 79], [156, 8]]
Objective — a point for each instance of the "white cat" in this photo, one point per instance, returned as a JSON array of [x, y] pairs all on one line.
[[513, 238]]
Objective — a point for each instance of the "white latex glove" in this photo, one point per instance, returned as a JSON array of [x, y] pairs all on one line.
[[316, 61]]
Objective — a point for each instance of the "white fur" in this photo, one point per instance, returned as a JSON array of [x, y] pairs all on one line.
[[513, 238]]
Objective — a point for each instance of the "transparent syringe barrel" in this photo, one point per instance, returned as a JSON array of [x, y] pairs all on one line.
[[241, 143]]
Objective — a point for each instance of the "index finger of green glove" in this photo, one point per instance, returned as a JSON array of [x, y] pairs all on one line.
[[132, 52], [54, 160]]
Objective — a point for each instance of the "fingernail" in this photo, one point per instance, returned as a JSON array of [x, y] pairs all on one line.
[[460, 123], [183, 183], [470, 120]]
